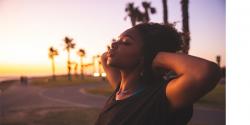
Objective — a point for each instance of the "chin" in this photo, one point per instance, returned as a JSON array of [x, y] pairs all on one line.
[[111, 62]]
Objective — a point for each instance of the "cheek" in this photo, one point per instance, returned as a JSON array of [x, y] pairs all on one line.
[[130, 57], [132, 51], [126, 57]]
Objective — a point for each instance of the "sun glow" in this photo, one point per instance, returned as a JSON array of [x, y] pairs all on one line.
[[30, 27]]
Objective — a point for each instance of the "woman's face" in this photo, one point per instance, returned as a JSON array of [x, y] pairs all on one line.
[[126, 52]]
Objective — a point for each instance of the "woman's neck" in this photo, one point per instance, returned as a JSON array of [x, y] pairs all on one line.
[[130, 80]]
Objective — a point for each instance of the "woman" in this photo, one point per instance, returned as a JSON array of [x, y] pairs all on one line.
[[136, 67]]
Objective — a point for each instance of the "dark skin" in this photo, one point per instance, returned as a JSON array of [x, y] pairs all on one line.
[[124, 62]]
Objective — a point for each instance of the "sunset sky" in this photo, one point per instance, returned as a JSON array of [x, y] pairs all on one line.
[[29, 27]]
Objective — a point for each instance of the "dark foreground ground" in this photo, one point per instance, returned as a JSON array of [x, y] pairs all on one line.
[[45, 102]]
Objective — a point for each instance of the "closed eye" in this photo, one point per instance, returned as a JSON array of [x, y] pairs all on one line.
[[125, 41]]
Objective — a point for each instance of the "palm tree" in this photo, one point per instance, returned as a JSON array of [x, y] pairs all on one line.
[[136, 15], [218, 59], [52, 53], [165, 11], [147, 7], [132, 12], [185, 25], [68, 46], [75, 69], [81, 53]]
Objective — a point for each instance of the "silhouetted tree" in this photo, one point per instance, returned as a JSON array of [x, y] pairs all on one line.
[[75, 69], [147, 7], [185, 25], [68, 46], [165, 11], [136, 15], [81, 53], [132, 13], [52, 53], [223, 71], [218, 59]]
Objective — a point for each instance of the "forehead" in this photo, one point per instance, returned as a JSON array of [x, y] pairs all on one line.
[[133, 34]]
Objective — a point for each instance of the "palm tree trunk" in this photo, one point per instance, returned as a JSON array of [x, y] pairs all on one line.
[[69, 65], [82, 76], [218, 59], [75, 69], [132, 20], [146, 16], [53, 68], [165, 11], [185, 25]]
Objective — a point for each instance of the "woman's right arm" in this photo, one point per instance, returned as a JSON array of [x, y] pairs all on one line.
[[112, 74]]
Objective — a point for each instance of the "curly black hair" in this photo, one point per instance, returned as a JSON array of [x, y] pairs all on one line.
[[157, 38]]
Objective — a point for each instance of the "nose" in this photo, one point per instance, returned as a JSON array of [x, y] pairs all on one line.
[[114, 45]]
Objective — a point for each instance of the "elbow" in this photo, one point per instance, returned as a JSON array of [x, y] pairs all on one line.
[[214, 72], [207, 75], [211, 74]]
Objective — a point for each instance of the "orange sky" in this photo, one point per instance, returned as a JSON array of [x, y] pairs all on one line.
[[30, 27]]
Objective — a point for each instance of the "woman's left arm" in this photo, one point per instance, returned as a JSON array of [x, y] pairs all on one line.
[[195, 77]]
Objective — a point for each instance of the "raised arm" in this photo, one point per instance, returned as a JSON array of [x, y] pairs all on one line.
[[196, 77], [113, 75]]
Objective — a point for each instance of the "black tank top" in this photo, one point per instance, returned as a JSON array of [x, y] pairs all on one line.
[[148, 107]]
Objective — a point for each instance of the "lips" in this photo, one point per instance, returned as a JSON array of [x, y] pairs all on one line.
[[110, 53]]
